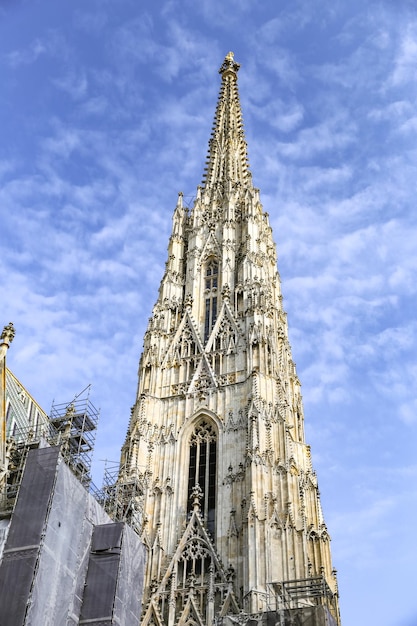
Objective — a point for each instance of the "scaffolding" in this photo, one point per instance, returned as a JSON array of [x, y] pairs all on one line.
[[71, 425], [293, 597], [75, 425], [17, 448], [301, 602], [122, 495]]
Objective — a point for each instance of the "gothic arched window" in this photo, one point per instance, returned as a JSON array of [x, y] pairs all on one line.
[[202, 470], [210, 289]]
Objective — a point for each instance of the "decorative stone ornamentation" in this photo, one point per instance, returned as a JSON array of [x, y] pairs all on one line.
[[218, 420]]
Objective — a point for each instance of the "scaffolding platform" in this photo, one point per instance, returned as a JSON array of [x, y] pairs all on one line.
[[122, 495], [308, 600], [75, 425], [72, 426]]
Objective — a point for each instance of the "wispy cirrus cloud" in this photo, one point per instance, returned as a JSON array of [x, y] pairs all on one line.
[[74, 84], [111, 118], [405, 56], [26, 56]]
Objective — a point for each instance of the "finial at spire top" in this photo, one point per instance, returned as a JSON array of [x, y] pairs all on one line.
[[6, 339], [8, 334], [229, 64]]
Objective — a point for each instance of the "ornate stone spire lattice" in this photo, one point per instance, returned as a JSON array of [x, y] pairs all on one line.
[[227, 494], [227, 160]]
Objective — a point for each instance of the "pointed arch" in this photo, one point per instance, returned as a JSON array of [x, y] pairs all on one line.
[[185, 342], [191, 615], [211, 282], [211, 248], [202, 468], [225, 325], [201, 430]]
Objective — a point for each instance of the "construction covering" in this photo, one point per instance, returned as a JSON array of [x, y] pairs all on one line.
[[113, 591], [302, 616], [48, 546], [22, 545], [4, 529]]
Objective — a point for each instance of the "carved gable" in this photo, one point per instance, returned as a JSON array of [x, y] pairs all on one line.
[[195, 586], [211, 248], [203, 378], [219, 407], [186, 343], [225, 334]]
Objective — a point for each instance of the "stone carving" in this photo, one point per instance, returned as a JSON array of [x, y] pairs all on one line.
[[8, 333], [217, 378], [232, 477]]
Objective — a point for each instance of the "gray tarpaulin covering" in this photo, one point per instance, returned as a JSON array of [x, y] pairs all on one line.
[[128, 601], [94, 515], [103, 570], [4, 529], [48, 550], [67, 537], [25, 533], [114, 581]]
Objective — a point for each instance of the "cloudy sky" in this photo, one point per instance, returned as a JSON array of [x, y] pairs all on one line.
[[106, 109]]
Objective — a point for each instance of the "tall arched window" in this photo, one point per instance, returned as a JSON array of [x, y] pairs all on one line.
[[202, 470], [210, 289]]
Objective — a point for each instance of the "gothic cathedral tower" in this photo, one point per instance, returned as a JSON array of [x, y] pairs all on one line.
[[231, 513]]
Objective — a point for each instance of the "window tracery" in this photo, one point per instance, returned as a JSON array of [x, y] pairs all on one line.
[[202, 469], [210, 287]]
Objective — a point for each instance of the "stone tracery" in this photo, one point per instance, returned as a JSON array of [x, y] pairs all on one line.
[[218, 385]]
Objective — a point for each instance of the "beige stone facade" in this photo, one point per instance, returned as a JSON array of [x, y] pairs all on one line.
[[230, 501]]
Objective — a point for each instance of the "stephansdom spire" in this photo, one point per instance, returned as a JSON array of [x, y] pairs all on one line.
[[227, 160], [215, 471]]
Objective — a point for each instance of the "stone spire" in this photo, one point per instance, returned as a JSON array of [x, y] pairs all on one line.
[[216, 435], [227, 160]]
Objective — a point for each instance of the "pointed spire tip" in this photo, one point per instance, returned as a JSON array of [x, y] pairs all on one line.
[[229, 64]]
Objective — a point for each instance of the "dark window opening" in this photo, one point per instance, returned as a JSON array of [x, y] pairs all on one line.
[[210, 316], [202, 471]]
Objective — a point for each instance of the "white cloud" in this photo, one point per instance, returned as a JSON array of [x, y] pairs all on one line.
[[406, 57], [95, 106], [397, 110], [74, 84], [408, 410], [330, 134], [26, 56], [89, 183], [63, 143], [282, 116]]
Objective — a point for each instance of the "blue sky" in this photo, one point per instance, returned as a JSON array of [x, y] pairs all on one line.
[[106, 110]]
